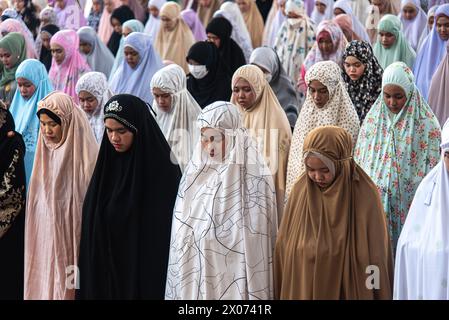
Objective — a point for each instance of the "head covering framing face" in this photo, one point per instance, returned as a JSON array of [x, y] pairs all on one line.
[[12, 25], [65, 75], [413, 29], [95, 83], [136, 80], [100, 57], [438, 97], [421, 259], [330, 236], [59, 181], [398, 150], [267, 122], [14, 43], [121, 207], [400, 50], [242, 255], [178, 124], [24, 110]]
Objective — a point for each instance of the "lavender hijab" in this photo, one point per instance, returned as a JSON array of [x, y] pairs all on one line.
[[430, 55], [191, 19]]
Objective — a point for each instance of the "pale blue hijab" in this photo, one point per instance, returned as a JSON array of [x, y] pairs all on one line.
[[24, 111], [135, 26], [137, 81]]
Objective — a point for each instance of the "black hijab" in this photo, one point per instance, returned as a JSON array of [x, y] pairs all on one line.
[[45, 56], [231, 54], [122, 14], [127, 211], [216, 85], [12, 209]]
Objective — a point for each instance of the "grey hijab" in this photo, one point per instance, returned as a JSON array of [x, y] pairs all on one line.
[[281, 84]]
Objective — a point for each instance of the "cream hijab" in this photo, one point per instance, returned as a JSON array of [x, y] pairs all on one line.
[[267, 122], [174, 45], [254, 23], [338, 111]]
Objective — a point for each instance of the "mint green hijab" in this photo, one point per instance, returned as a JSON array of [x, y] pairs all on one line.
[[14, 43], [401, 50]]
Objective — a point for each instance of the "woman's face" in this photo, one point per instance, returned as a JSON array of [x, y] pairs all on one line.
[[318, 172], [430, 22], [167, 23], [132, 57], [88, 102], [26, 88], [213, 143], [243, 5], [96, 6], [163, 99], [446, 160], [409, 12], [109, 5], [443, 27], [58, 53], [46, 37], [338, 11], [387, 39], [394, 97], [154, 11], [380, 4], [20, 4], [319, 93], [325, 44], [119, 136], [126, 31], [354, 68], [85, 48], [117, 25], [9, 60], [214, 39], [60, 4], [244, 93], [50, 129]]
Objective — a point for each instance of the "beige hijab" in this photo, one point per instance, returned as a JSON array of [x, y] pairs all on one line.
[[267, 122], [174, 45], [58, 184], [254, 23], [333, 242], [339, 111], [205, 14]]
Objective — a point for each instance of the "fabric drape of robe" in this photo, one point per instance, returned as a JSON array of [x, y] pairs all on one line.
[[178, 124], [65, 75], [294, 41], [175, 44], [12, 209], [268, 123], [421, 267], [96, 84], [224, 221], [330, 237], [401, 50], [100, 58], [338, 111], [398, 150], [56, 192], [127, 212]]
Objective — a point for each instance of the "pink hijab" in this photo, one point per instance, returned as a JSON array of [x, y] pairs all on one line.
[[58, 185], [137, 9], [105, 28], [65, 76], [12, 25]]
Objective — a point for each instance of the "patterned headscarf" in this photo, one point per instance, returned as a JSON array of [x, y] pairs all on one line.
[[366, 89], [398, 150], [338, 111]]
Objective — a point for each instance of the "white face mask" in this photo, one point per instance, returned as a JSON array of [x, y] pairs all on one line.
[[268, 76], [198, 72]]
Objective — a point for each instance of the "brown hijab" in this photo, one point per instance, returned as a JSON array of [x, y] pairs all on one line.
[[329, 238]]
